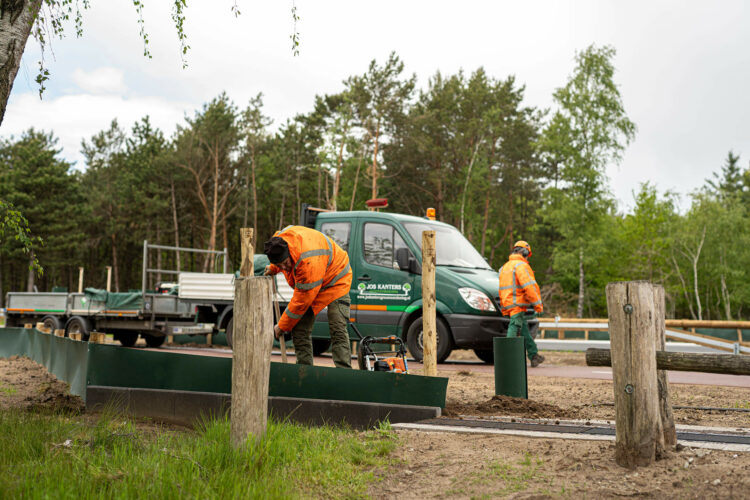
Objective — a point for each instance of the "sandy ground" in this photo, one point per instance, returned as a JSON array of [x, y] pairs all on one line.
[[441, 465]]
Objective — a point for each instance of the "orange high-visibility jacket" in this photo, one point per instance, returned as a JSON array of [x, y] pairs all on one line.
[[518, 288], [321, 272]]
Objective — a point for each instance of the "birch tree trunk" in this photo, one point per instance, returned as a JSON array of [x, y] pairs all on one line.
[[581, 281], [115, 272], [176, 229], [16, 20], [356, 179], [375, 164], [30, 282]]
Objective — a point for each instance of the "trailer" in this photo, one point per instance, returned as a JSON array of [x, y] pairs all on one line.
[[200, 304]]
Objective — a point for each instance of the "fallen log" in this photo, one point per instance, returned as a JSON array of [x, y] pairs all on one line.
[[732, 364]]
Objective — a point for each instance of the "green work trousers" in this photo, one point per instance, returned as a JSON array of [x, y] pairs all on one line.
[[518, 323], [338, 319]]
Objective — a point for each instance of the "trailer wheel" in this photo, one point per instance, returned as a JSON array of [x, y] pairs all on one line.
[[153, 340], [486, 355], [126, 340], [414, 339], [52, 322], [229, 329], [78, 324]]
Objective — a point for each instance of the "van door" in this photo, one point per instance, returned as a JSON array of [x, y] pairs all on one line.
[[383, 291]]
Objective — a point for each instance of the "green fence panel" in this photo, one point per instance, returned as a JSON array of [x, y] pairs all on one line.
[[82, 364], [64, 358]]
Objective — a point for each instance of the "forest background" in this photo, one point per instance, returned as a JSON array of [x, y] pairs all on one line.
[[464, 144]]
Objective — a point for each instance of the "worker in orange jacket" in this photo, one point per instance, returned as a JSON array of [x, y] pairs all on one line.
[[519, 291], [319, 272]]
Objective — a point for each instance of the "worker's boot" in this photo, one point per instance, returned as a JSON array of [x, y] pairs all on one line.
[[537, 360]]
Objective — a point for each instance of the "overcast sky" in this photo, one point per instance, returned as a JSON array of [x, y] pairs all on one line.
[[683, 68]]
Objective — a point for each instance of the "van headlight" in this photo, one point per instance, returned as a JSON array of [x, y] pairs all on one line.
[[477, 299]]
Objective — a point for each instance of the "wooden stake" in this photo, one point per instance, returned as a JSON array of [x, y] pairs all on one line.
[[109, 278], [28, 326], [429, 319], [247, 252], [632, 326], [75, 336], [97, 337], [170, 339], [251, 350], [80, 280], [60, 332]]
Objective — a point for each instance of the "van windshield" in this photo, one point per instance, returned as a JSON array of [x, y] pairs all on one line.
[[452, 249]]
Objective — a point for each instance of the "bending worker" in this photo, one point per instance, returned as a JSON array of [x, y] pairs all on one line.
[[518, 291], [318, 270]]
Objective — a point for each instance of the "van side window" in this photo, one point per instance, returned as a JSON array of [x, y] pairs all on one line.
[[380, 244], [338, 232]]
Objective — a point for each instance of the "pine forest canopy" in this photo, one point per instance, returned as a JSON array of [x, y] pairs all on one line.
[[464, 144]]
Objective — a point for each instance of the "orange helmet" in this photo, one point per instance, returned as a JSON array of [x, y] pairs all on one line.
[[523, 244]]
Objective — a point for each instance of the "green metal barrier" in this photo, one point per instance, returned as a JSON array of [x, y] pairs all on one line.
[[510, 367], [82, 364], [66, 359]]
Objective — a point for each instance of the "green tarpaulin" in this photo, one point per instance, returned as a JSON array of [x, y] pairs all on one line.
[[114, 300]]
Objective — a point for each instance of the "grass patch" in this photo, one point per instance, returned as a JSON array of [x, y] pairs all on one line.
[[58, 456], [7, 390]]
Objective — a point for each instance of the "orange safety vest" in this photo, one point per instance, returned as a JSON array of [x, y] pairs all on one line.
[[321, 272], [518, 288]]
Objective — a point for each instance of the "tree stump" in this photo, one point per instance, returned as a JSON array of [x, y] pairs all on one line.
[[633, 329]]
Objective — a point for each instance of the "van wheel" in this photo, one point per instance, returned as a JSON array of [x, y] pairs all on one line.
[[52, 322], [320, 346], [486, 355], [77, 324], [444, 340], [229, 330], [153, 340]]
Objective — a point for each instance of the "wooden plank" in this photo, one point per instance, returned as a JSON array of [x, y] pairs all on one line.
[[638, 427], [429, 311]]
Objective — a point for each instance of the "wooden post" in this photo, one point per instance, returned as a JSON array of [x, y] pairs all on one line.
[[247, 253], [739, 335], [560, 334], [585, 334], [109, 278], [665, 403], [251, 350], [429, 319], [59, 332], [80, 280], [170, 339], [632, 326]]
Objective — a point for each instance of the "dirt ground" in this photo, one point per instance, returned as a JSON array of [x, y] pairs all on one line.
[[440, 465]]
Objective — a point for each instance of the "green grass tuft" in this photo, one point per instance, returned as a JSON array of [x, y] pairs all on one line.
[[60, 456]]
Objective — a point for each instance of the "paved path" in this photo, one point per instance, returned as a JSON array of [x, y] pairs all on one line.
[[589, 372]]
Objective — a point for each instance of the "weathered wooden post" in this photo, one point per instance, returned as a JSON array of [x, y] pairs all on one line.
[[109, 278], [251, 350], [665, 403], [429, 326], [632, 329]]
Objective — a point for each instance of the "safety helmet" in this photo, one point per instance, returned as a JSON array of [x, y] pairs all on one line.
[[523, 244]]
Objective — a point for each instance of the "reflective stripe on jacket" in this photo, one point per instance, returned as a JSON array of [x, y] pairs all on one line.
[[321, 272], [518, 287]]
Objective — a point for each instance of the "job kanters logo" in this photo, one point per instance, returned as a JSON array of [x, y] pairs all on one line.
[[384, 291]]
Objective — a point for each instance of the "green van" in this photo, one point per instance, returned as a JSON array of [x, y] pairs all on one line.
[[385, 255]]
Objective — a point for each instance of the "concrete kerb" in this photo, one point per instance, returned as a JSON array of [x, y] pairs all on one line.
[[188, 407]]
